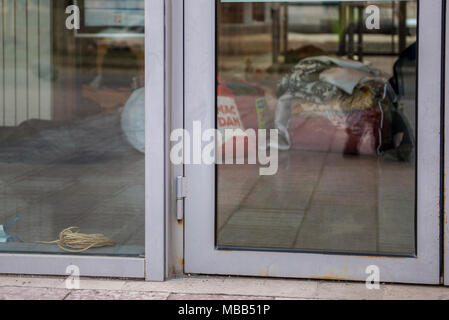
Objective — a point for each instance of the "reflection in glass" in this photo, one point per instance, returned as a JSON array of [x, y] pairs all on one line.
[[343, 99], [71, 124]]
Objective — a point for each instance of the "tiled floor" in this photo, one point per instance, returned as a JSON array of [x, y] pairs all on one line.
[[317, 201], [320, 201], [104, 196], [208, 288]]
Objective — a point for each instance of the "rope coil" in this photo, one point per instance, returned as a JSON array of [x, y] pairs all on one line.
[[71, 240]]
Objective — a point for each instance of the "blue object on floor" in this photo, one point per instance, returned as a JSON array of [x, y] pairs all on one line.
[[4, 236]]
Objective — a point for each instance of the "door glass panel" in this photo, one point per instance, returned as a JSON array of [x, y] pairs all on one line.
[[337, 79], [72, 125]]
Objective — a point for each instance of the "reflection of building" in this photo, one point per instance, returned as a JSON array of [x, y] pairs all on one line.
[[34, 43], [246, 13], [314, 18], [289, 21]]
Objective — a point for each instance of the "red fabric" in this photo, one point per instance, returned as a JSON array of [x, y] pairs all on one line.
[[356, 132]]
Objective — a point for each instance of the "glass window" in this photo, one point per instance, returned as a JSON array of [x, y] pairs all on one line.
[[337, 80], [72, 126]]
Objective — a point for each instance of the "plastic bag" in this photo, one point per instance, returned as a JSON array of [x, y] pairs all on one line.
[[133, 120]]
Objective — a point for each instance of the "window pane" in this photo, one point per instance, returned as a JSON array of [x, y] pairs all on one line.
[[72, 125], [337, 80]]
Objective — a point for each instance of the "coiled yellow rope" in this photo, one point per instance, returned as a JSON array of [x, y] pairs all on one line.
[[71, 240]]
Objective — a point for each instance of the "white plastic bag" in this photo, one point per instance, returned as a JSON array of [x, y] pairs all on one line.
[[133, 120]]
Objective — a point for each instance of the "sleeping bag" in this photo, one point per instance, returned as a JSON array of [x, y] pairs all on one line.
[[334, 105]]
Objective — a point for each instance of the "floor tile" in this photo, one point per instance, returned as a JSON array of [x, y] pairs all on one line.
[[20, 293], [183, 296], [115, 295], [261, 229]]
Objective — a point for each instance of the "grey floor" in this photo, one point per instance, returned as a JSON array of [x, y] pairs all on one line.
[[316, 201], [102, 197], [319, 202]]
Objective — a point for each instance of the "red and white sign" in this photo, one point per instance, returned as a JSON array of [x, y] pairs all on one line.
[[228, 116]]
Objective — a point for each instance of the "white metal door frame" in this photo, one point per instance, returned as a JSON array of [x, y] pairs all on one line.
[[152, 267], [446, 152], [201, 255]]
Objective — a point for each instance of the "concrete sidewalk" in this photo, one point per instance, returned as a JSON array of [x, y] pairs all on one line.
[[206, 288]]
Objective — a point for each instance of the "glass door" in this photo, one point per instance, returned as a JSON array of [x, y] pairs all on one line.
[[326, 119], [73, 134]]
